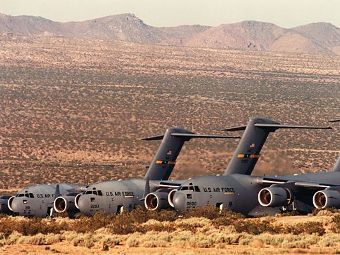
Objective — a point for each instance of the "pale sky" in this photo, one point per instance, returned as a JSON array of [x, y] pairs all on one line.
[[285, 13]]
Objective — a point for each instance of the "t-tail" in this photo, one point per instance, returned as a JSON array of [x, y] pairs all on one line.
[[172, 142], [255, 135]]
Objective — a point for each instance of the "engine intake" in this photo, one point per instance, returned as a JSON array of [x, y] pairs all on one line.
[[65, 204], [171, 197], [9, 203], [76, 200], [157, 200], [326, 198], [274, 196]]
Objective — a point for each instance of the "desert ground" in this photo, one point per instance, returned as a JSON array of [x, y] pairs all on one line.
[[74, 110]]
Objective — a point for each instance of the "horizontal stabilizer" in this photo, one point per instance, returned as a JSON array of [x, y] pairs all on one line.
[[188, 136], [202, 136], [277, 126], [239, 128], [153, 138], [273, 127]]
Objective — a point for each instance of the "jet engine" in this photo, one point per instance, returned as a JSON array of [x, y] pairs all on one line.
[[326, 198], [4, 205], [274, 196], [65, 204], [9, 203], [157, 200], [171, 197]]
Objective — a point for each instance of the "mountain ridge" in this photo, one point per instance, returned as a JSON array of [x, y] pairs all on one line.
[[314, 38]]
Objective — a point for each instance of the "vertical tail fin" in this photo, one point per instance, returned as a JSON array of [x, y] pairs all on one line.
[[172, 142], [255, 135], [165, 159], [336, 167]]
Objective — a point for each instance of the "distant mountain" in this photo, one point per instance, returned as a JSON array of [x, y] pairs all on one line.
[[315, 38], [250, 35]]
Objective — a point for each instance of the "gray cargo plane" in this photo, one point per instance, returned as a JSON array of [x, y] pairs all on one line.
[[121, 195], [238, 191], [37, 200]]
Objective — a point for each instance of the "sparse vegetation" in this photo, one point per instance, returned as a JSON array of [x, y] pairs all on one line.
[[74, 110], [146, 229]]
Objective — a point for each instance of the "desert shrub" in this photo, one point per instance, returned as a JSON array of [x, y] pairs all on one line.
[[30, 226], [109, 242], [154, 225], [122, 225], [325, 212], [336, 224], [89, 224], [209, 212], [133, 240], [85, 240], [226, 218], [38, 239], [329, 240], [13, 238], [141, 215], [306, 227], [201, 241], [256, 227]]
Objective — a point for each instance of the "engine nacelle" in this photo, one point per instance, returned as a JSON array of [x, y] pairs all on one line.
[[4, 209], [326, 198], [157, 200], [65, 204], [171, 197], [274, 196], [9, 203]]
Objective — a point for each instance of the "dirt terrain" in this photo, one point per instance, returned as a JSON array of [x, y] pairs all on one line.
[[74, 110]]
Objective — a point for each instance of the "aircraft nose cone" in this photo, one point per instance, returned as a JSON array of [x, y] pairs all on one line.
[[179, 201]]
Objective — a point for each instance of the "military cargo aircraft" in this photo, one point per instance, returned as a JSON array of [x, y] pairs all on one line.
[[37, 200], [237, 190], [124, 195]]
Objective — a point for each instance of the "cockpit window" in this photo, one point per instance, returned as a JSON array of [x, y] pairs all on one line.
[[31, 195], [94, 192], [197, 189]]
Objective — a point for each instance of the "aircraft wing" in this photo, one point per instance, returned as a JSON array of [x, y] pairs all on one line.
[[171, 184], [267, 181], [306, 184]]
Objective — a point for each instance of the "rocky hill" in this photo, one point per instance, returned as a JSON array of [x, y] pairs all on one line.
[[315, 38]]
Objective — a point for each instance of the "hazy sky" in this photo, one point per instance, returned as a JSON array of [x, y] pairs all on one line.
[[286, 13]]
